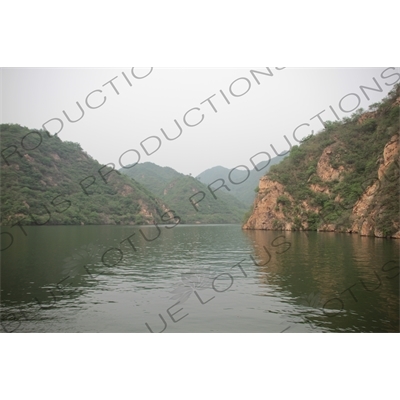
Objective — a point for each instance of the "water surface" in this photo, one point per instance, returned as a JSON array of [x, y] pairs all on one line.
[[203, 278]]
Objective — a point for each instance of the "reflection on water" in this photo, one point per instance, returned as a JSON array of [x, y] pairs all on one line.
[[198, 279], [338, 282]]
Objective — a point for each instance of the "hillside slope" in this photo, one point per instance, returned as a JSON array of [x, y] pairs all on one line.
[[344, 179], [245, 192], [176, 189], [56, 182], [152, 176]]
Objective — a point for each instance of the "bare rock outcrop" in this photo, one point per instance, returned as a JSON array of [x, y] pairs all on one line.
[[324, 168], [266, 209], [363, 218], [269, 215]]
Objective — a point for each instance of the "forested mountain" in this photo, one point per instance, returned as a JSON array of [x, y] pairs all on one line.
[[176, 190], [46, 180], [152, 176], [344, 179], [245, 192]]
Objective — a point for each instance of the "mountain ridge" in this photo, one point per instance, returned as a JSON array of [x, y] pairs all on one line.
[[179, 192], [242, 183]]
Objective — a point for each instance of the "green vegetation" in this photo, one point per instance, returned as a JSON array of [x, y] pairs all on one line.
[[355, 152], [245, 192], [42, 185], [176, 189], [56, 182], [152, 176], [248, 214], [389, 193], [284, 200]]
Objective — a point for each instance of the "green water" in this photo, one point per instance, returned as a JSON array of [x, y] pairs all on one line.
[[214, 278]]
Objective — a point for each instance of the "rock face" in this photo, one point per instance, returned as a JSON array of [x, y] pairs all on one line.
[[325, 171], [267, 213], [364, 219], [270, 210]]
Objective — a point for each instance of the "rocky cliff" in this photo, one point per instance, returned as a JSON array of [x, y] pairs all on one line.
[[368, 208], [344, 179]]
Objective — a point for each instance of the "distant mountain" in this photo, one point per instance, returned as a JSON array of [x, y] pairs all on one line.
[[245, 192], [152, 176], [47, 181], [176, 189]]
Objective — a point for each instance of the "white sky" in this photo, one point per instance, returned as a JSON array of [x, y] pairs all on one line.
[[250, 124]]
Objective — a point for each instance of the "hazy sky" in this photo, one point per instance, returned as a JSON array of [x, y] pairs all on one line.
[[229, 134]]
